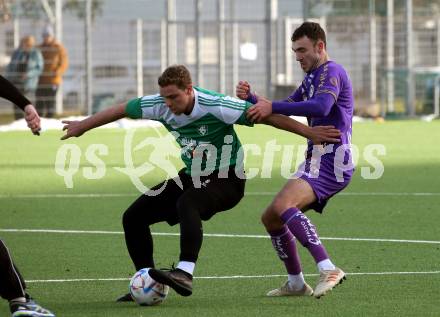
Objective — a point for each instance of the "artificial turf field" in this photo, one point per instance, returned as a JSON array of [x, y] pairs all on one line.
[[389, 230]]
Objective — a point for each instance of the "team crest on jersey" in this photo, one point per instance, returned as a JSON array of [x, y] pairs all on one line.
[[311, 91], [203, 130], [334, 81]]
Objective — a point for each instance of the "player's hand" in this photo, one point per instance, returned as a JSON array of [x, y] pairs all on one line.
[[324, 134], [33, 119], [243, 89], [74, 129], [260, 111]]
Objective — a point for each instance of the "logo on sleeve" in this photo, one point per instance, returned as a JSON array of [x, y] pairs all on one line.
[[334, 81], [311, 91]]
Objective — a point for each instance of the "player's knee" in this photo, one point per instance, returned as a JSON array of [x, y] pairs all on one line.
[[129, 218], [268, 217], [188, 205], [126, 219], [271, 218], [271, 221], [279, 205], [265, 219], [183, 203]]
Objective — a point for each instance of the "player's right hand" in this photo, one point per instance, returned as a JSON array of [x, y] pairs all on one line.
[[74, 129], [243, 89], [32, 119]]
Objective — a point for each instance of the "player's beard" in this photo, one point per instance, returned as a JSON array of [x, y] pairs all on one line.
[[315, 65]]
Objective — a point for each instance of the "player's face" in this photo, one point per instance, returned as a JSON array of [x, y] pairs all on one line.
[[308, 53], [178, 100]]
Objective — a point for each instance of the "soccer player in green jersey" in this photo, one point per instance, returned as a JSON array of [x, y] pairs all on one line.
[[202, 123]]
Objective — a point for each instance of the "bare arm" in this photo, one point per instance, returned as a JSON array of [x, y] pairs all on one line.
[[77, 128], [317, 135]]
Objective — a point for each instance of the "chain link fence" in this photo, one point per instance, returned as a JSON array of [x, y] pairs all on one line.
[[223, 41]]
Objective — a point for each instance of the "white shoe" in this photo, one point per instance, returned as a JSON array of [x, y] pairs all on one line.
[[28, 309], [327, 280], [286, 290]]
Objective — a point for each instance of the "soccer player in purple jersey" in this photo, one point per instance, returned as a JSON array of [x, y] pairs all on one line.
[[325, 97]]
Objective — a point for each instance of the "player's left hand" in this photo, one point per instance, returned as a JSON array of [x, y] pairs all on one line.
[[260, 111], [33, 119]]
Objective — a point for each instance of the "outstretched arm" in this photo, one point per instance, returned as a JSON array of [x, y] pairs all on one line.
[[317, 135], [243, 92], [78, 128], [319, 106]]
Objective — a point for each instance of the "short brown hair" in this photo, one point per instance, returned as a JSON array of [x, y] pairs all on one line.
[[310, 29], [175, 75]]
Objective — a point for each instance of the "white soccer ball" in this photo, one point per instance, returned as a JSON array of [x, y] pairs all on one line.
[[146, 291]]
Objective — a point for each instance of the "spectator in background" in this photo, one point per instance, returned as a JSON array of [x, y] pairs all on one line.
[[55, 64], [24, 69]]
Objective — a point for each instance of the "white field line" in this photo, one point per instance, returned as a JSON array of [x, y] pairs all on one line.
[[105, 195], [214, 235], [231, 277]]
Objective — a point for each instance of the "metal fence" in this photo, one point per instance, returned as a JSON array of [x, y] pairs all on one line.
[[391, 49]]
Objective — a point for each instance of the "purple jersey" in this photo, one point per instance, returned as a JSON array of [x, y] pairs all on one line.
[[325, 97], [312, 99], [330, 78]]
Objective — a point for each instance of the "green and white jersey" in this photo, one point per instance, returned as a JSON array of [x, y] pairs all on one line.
[[206, 132]]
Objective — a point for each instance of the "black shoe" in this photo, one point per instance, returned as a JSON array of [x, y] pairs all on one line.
[[28, 309], [125, 298], [177, 279]]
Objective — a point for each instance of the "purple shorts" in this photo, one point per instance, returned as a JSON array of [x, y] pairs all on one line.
[[323, 182]]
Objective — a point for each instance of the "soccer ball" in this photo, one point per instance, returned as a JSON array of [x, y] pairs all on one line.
[[146, 291]]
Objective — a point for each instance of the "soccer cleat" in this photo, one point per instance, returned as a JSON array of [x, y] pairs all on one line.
[[125, 298], [285, 290], [327, 280], [177, 279], [28, 309]]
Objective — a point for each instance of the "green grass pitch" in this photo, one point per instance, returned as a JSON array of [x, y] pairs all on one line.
[[385, 278]]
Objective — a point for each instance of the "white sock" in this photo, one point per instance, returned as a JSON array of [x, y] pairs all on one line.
[[296, 282], [326, 265], [188, 267]]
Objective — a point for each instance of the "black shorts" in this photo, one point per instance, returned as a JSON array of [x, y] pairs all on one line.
[[214, 195]]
